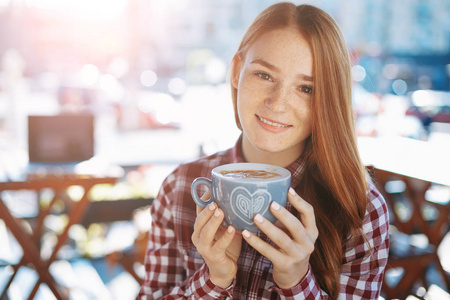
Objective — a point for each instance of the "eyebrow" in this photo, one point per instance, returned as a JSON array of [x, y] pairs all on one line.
[[272, 67]]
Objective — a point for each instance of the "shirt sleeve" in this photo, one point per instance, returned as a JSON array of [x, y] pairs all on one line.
[[171, 271], [363, 265]]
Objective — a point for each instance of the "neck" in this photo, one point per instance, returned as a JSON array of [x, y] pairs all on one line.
[[254, 155]]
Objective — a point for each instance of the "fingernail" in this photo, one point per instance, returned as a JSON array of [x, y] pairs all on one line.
[[217, 213], [212, 206], [246, 233], [259, 218], [230, 229], [275, 205], [291, 191]]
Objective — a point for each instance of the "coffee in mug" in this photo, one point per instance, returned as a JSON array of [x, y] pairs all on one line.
[[243, 190], [262, 174]]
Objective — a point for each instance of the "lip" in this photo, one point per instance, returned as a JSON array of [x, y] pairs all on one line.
[[263, 122]]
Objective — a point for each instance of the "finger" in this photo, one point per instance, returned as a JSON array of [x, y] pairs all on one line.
[[205, 197], [261, 246], [210, 229], [202, 218], [292, 225], [225, 239], [306, 210], [282, 239]]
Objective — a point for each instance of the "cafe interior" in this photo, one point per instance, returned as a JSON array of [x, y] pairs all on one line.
[[101, 100]]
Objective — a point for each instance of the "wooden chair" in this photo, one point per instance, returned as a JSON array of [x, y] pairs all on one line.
[[132, 257], [411, 261], [405, 197]]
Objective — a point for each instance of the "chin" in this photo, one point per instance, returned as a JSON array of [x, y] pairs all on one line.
[[270, 147]]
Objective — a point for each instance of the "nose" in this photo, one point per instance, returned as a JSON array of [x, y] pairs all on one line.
[[277, 99]]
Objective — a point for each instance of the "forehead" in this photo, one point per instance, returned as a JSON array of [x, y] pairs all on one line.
[[286, 48]]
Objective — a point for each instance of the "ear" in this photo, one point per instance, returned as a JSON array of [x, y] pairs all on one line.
[[236, 65]]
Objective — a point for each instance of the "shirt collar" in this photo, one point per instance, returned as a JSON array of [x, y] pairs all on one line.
[[296, 168]]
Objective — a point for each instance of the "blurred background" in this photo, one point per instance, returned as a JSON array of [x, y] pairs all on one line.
[[154, 75], [146, 65], [150, 68]]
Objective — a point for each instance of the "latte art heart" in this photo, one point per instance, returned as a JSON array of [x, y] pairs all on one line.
[[246, 205]]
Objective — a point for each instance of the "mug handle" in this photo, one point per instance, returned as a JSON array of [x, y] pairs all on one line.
[[195, 184]]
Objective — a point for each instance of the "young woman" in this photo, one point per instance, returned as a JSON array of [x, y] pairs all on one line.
[[291, 90]]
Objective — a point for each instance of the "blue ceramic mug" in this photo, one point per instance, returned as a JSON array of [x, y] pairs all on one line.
[[242, 190]]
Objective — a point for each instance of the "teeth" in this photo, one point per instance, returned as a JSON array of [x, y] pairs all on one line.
[[272, 123]]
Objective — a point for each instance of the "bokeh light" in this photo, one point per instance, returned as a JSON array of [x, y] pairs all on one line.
[[111, 87], [118, 67], [390, 71], [358, 73], [399, 86], [89, 75], [177, 86], [215, 70], [148, 78]]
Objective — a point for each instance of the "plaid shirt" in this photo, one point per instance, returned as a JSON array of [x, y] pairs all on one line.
[[175, 270]]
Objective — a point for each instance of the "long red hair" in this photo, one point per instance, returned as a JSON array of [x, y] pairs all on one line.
[[334, 177]]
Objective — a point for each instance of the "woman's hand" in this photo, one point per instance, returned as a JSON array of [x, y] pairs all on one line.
[[220, 247], [294, 239]]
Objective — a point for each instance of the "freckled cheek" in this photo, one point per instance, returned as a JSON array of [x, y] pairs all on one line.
[[308, 123], [304, 115], [252, 94]]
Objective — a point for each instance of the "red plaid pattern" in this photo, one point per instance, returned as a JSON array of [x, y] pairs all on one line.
[[175, 270]]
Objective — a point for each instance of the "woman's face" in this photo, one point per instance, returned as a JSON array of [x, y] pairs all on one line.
[[274, 84]]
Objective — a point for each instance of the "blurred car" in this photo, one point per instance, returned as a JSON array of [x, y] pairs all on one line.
[[430, 106]]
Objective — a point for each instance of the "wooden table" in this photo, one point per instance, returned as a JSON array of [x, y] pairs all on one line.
[[418, 165], [30, 242]]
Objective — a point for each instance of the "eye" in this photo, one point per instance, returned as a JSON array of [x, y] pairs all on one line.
[[264, 76], [306, 89]]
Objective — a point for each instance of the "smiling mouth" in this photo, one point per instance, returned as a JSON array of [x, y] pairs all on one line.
[[271, 123]]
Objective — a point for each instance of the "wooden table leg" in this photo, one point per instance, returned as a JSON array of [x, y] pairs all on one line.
[[15, 269], [31, 252], [74, 217], [35, 289], [43, 213]]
